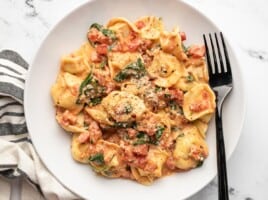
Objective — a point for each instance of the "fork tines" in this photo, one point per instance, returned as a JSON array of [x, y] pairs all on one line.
[[218, 60]]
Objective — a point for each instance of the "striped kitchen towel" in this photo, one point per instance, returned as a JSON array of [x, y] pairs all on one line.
[[18, 159]]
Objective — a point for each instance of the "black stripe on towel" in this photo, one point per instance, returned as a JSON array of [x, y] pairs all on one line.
[[10, 89], [14, 57], [10, 104], [24, 139], [16, 114], [12, 129], [18, 78], [11, 69]]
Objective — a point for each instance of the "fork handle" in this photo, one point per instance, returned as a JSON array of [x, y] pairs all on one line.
[[221, 160]]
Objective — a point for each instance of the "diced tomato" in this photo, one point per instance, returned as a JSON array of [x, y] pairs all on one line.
[[177, 95], [205, 94], [141, 150], [170, 163], [121, 47], [94, 57], [146, 44], [183, 36], [132, 36], [134, 45], [140, 24], [96, 36], [83, 137], [68, 118], [105, 80], [197, 51], [74, 90], [198, 152], [150, 167], [140, 162], [102, 49], [94, 131], [199, 106], [131, 132], [134, 159], [93, 35]]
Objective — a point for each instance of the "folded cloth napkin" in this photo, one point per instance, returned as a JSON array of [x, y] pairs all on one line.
[[18, 158]]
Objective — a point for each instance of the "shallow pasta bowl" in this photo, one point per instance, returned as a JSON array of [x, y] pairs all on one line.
[[53, 144]]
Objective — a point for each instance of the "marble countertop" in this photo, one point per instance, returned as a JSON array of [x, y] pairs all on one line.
[[23, 25]]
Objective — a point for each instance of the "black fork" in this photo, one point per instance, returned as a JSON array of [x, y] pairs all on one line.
[[220, 79]]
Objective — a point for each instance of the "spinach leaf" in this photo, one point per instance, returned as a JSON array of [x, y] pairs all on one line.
[[87, 80], [180, 135], [135, 70], [184, 48], [109, 33], [128, 109], [200, 163], [98, 159], [103, 64], [96, 26], [158, 89], [90, 91], [189, 78], [173, 105], [142, 138], [95, 101], [124, 125], [159, 132], [105, 31]]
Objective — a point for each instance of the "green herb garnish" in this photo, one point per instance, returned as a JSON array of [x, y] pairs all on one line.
[[159, 132], [90, 91], [105, 31], [167, 96], [184, 48], [103, 64], [124, 125], [98, 159], [128, 109], [189, 78], [109, 33], [96, 26], [180, 135], [135, 70], [142, 138], [85, 82], [173, 105], [158, 89], [95, 101], [174, 128], [200, 163], [110, 47]]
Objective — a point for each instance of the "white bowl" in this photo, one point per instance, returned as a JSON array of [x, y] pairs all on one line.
[[53, 144]]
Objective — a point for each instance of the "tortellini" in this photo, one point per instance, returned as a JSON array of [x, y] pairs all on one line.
[[152, 27], [191, 149], [166, 69], [65, 91], [198, 102], [123, 106]]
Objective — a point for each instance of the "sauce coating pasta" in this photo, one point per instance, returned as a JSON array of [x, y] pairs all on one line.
[[136, 101]]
